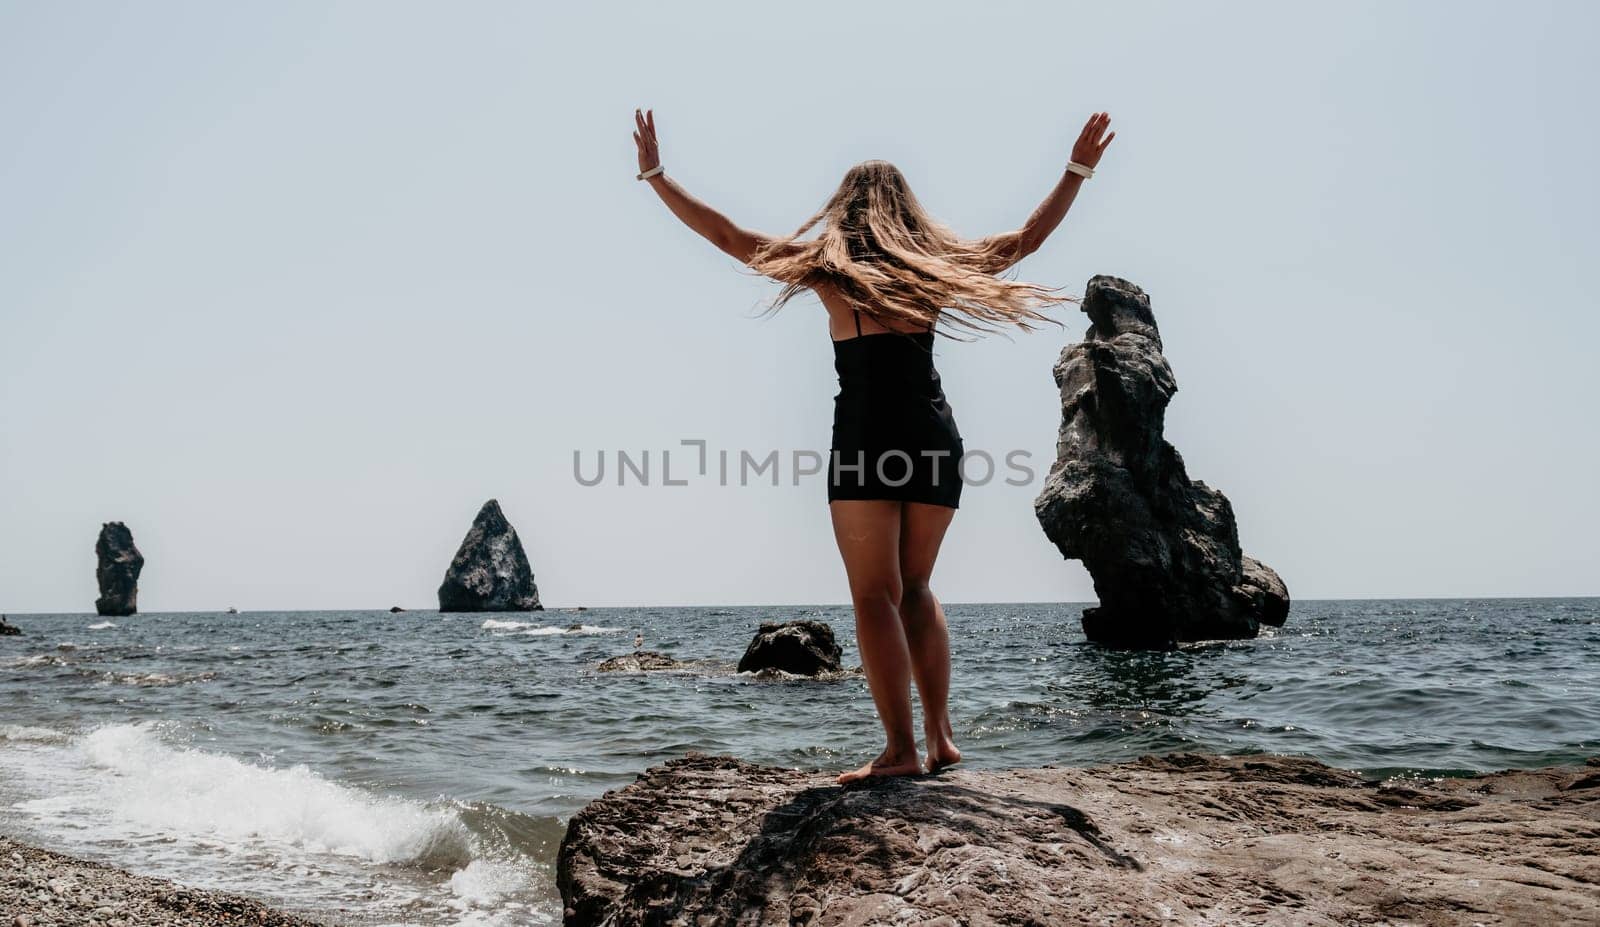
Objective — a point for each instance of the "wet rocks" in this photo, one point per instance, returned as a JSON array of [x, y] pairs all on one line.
[[1163, 549], [639, 661], [117, 568], [801, 647], [7, 628], [1182, 839], [490, 572], [39, 888]]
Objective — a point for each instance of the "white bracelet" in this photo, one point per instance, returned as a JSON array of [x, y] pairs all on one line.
[[651, 172], [1082, 170]]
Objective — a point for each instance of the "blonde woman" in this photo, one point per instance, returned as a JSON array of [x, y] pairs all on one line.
[[889, 275]]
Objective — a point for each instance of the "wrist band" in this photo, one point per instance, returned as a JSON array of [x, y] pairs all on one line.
[[650, 173], [1082, 170]]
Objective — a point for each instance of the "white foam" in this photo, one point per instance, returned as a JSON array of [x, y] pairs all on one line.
[[580, 629], [484, 882], [102, 626], [141, 787], [287, 833], [534, 629], [21, 733]]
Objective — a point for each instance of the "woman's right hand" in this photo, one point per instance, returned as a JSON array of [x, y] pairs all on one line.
[[1092, 141]]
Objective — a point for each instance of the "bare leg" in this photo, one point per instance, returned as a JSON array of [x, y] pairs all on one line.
[[922, 529], [868, 534]]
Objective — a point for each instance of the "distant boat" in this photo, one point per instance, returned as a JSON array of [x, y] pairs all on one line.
[[232, 610]]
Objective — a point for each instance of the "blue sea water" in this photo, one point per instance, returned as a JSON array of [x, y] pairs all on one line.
[[418, 768]]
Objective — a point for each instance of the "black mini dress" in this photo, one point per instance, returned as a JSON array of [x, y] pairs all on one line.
[[894, 436]]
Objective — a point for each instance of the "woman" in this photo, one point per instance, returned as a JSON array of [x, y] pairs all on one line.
[[889, 275]]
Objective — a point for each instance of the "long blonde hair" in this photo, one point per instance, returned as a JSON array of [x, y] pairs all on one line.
[[889, 259]]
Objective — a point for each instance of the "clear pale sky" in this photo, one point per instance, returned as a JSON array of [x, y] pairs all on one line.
[[293, 288]]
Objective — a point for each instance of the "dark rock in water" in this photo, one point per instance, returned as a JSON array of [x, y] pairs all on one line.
[[117, 570], [6, 628], [804, 648], [638, 661], [490, 572], [395, 609], [1163, 550], [1183, 839]]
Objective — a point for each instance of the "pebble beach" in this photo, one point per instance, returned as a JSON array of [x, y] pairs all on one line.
[[44, 889]]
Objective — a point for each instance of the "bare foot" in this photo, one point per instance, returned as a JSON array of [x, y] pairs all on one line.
[[887, 764], [942, 750]]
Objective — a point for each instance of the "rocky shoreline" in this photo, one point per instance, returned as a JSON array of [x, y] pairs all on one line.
[[1183, 839], [40, 888]]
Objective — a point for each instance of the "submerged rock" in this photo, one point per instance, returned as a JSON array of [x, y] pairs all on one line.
[[640, 660], [490, 572], [1163, 549], [1199, 839], [117, 570], [804, 648]]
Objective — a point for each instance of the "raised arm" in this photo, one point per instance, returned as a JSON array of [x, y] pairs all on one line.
[[712, 225], [1011, 247]]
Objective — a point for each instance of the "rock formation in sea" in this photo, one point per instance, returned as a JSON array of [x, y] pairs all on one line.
[[1183, 839], [7, 628], [117, 570], [490, 572], [802, 647], [639, 661], [395, 609], [1163, 549]]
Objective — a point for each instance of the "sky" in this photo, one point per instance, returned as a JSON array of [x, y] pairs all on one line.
[[292, 289]]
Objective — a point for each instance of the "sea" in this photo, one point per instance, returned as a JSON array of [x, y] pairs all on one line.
[[371, 768]]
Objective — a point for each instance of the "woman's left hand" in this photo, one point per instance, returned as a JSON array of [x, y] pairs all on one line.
[[644, 135]]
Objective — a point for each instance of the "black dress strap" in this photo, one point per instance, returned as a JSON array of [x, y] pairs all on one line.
[[858, 321]]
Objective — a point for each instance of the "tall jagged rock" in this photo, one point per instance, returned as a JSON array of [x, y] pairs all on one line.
[[490, 572], [117, 568], [1163, 549]]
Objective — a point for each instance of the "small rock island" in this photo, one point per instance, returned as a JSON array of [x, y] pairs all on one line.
[[1163, 549], [490, 572], [801, 647], [117, 568]]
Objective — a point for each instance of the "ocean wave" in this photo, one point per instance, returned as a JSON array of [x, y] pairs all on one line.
[[534, 629], [102, 626], [155, 679], [21, 733], [133, 782], [572, 629], [233, 823]]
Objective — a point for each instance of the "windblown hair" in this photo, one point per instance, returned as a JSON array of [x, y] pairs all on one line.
[[891, 260]]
